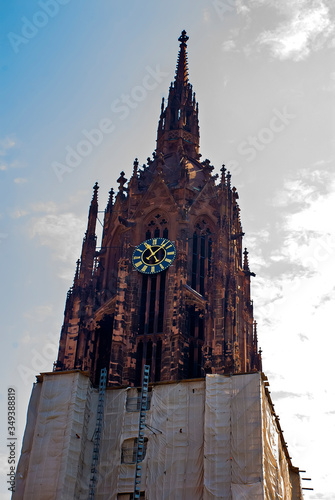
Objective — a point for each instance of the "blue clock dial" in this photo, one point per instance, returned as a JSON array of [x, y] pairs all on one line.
[[154, 255]]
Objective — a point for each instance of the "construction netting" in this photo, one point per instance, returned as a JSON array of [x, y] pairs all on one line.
[[205, 439], [233, 441]]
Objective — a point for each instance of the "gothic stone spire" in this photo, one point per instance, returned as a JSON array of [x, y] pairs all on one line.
[[178, 124], [89, 242]]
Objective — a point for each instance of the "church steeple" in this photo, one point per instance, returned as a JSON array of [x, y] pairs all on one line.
[[192, 317], [178, 124]]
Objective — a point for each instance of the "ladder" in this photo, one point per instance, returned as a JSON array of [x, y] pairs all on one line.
[[141, 427], [97, 434]]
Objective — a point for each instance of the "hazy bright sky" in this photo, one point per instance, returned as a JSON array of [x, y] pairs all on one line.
[[264, 75]]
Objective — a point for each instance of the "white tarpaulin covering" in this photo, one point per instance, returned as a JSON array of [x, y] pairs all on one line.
[[207, 439], [53, 448], [277, 483], [233, 442]]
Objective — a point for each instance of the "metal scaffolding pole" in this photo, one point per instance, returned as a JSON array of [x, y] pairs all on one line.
[[141, 427], [97, 434]]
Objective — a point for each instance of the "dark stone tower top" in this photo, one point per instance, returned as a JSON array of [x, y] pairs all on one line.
[[178, 125], [191, 312]]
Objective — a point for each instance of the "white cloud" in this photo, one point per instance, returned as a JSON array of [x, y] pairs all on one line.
[[307, 28], [308, 240], [254, 242], [17, 214], [297, 276], [3, 166], [20, 180], [241, 7], [314, 217], [295, 191], [228, 46], [5, 144], [206, 15], [44, 207], [63, 234], [40, 313]]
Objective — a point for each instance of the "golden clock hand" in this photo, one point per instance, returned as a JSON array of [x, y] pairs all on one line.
[[159, 248], [152, 254]]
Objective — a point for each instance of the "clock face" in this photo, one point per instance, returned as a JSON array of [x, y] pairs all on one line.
[[154, 255]]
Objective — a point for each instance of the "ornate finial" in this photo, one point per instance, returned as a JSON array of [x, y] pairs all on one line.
[[228, 179], [122, 180], [110, 201], [255, 333], [162, 105], [246, 262], [223, 175], [208, 168], [95, 191], [183, 38], [76, 275], [135, 167]]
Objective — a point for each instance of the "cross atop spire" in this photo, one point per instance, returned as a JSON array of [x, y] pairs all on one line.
[[182, 69]]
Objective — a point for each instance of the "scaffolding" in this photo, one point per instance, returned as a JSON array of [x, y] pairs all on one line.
[[97, 434], [140, 438]]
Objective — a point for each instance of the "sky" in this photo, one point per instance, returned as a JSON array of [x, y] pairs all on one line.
[[81, 87]]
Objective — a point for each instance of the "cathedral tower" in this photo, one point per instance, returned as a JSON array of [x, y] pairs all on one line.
[[169, 288], [170, 285]]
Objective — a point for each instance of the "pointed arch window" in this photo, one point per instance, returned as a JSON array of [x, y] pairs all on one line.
[[202, 244]]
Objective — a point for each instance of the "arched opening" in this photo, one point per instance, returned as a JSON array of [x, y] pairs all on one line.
[[201, 255], [104, 333]]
